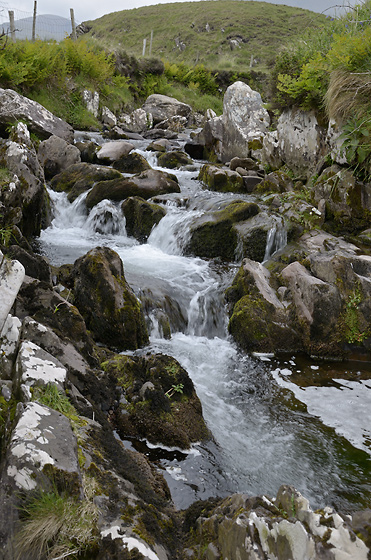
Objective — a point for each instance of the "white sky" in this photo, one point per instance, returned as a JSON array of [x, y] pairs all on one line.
[[93, 9]]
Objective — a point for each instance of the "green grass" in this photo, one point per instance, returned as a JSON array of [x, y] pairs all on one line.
[[206, 28]]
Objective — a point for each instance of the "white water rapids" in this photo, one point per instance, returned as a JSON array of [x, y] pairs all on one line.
[[268, 429]]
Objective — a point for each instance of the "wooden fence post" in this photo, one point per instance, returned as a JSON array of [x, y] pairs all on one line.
[[74, 36], [144, 46], [34, 21], [12, 26]]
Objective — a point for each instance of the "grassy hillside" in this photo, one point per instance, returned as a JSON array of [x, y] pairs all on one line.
[[222, 34]]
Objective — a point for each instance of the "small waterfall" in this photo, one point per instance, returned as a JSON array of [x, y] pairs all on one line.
[[276, 240], [172, 233], [106, 218]]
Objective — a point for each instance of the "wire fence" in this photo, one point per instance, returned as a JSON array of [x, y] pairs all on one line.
[[47, 27]]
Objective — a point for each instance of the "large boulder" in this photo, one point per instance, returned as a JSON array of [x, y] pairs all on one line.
[[14, 107], [213, 234], [131, 163], [55, 155], [160, 402], [80, 177], [23, 195], [146, 185], [174, 159], [11, 277], [245, 121], [137, 121], [141, 216], [162, 107], [111, 311], [301, 141], [112, 151]]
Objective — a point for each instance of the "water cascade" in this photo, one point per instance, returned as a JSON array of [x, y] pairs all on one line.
[[266, 429]]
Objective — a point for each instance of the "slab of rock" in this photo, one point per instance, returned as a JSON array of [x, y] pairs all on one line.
[[14, 107], [12, 274], [163, 107], [112, 151], [80, 177], [221, 179], [36, 367], [137, 121], [55, 155], [146, 185]]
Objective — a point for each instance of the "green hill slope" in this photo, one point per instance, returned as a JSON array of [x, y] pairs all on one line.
[[222, 34]]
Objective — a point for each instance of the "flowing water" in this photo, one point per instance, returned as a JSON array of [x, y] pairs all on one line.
[[274, 421]]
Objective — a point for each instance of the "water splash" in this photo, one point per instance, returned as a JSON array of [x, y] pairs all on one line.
[[276, 240]]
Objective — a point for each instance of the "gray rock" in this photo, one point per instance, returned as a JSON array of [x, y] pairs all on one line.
[[162, 107], [9, 340], [12, 274], [137, 121], [112, 151], [91, 100], [14, 107], [108, 117], [55, 155], [35, 366]]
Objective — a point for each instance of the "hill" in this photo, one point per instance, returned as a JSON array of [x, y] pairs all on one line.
[[222, 34], [48, 27]]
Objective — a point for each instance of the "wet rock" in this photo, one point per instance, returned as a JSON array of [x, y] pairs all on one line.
[[194, 150], [88, 151], [146, 185], [259, 320], [14, 107], [112, 151], [253, 235], [81, 177], [163, 107], [141, 216], [221, 179], [132, 163], [156, 133], [111, 311], [170, 413], [160, 145], [277, 181], [176, 123], [55, 155], [245, 163], [35, 265], [213, 234], [174, 159]]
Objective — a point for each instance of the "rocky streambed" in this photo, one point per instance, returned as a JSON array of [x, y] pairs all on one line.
[[188, 312]]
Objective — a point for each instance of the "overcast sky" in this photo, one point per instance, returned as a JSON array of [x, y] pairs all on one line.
[[93, 9]]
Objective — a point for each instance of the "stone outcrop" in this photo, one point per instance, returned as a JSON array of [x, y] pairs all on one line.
[[14, 107], [222, 179], [80, 177], [141, 216], [162, 107], [259, 528]]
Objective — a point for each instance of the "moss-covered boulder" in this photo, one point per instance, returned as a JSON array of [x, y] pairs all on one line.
[[259, 321], [348, 201], [213, 234], [222, 179], [141, 216], [277, 181], [253, 235], [174, 159], [160, 402], [131, 163], [146, 185], [80, 177], [110, 309]]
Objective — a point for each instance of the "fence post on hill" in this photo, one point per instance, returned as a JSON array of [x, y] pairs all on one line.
[[74, 37], [144, 46], [34, 21], [12, 26]]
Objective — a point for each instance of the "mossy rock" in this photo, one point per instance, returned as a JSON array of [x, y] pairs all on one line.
[[174, 159], [162, 405], [213, 235], [110, 309], [276, 182], [141, 216], [222, 179], [132, 163], [80, 177], [146, 185]]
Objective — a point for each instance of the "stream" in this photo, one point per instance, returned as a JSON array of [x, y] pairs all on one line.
[[286, 420]]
